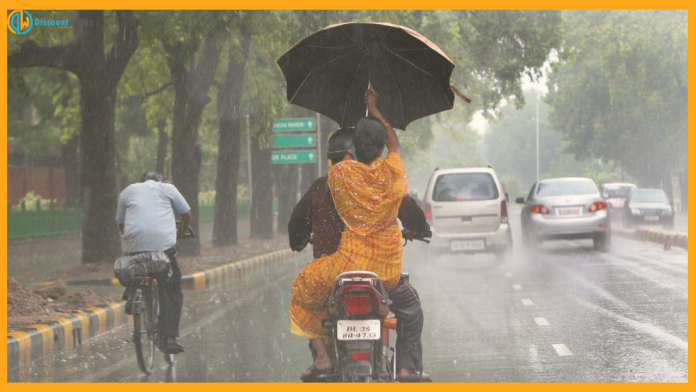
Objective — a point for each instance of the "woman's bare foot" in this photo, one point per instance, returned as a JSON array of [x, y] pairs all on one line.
[[321, 364], [412, 376]]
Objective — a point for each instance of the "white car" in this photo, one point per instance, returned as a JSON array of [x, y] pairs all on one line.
[[616, 193], [467, 212]]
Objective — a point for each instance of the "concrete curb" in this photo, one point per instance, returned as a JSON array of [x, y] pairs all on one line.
[[658, 236], [40, 340]]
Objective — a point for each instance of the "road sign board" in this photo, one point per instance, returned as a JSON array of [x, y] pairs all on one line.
[[294, 124], [294, 141], [284, 157]]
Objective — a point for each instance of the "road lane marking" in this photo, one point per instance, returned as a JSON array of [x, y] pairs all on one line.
[[646, 328], [508, 275], [527, 302], [516, 287], [562, 350], [541, 321]]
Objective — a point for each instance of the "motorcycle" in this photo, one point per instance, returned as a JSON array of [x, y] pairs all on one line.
[[359, 326]]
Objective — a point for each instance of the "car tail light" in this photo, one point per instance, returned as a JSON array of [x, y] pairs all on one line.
[[359, 356], [539, 209], [503, 212], [357, 304], [428, 212], [598, 206]]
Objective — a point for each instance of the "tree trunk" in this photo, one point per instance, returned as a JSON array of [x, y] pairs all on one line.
[[71, 165], [285, 180], [191, 96], [162, 143], [100, 238], [186, 162], [262, 182], [229, 148]]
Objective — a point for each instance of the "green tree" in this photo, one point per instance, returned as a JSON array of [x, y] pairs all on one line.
[[192, 42], [99, 71], [620, 92], [229, 111]]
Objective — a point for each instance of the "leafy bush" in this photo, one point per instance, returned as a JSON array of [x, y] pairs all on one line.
[[30, 200]]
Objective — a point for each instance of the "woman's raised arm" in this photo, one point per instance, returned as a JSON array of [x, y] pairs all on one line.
[[371, 98]]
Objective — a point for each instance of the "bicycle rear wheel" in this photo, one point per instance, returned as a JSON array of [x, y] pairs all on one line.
[[145, 332]]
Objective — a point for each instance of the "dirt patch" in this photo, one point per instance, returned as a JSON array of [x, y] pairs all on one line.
[[53, 291], [26, 307], [23, 302]]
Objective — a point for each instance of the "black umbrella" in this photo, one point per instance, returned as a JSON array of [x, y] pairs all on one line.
[[329, 71]]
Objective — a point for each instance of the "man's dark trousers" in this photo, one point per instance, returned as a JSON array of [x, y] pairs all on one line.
[[406, 306], [171, 299]]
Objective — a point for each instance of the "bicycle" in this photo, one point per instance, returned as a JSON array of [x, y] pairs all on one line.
[[145, 309]]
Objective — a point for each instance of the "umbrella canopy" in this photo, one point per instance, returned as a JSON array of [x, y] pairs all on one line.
[[329, 71]]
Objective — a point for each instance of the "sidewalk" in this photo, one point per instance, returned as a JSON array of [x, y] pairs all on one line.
[[34, 262], [58, 258]]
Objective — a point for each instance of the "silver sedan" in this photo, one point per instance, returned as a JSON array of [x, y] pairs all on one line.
[[565, 208]]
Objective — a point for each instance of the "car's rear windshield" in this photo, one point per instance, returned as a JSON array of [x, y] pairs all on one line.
[[465, 187], [657, 196], [618, 192], [562, 188]]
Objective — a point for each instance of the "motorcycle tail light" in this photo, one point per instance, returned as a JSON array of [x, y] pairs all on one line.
[[539, 209], [357, 304], [360, 356], [598, 206]]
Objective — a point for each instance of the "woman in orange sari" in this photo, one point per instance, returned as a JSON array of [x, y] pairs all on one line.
[[367, 193]]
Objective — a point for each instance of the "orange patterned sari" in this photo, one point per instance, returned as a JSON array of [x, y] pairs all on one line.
[[367, 198]]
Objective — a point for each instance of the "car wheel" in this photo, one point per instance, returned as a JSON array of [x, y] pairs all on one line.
[[602, 242]]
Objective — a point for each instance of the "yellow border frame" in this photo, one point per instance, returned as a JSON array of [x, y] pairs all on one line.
[[316, 4]]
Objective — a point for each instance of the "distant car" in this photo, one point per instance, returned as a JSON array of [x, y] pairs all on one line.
[[467, 212], [565, 208], [616, 193], [648, 206]]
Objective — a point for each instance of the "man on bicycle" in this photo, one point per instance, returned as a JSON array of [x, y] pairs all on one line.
[[145, 216]]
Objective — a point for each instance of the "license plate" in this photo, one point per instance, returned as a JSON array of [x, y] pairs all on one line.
[[468, 245], [358, 330], [652, 218], [568, 211]]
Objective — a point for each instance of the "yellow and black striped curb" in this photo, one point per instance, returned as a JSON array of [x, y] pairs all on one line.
[[39, 340], [207, 278], [657, 236], [677, 239]]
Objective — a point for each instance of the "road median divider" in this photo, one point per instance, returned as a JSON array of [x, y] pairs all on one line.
[[657, 236], [37, 341]]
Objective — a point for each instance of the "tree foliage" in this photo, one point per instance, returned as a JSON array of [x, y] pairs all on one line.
[[620, 92]]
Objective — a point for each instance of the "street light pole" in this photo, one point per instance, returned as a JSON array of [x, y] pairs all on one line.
[[537, 138], [318, 145], [248, 134]]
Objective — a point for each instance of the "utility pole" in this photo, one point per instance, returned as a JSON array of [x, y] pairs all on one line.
[[537, 138], [249, 158], [318, 145]]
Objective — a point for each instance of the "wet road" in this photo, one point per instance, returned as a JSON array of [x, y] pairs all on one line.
[[562, 314]]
